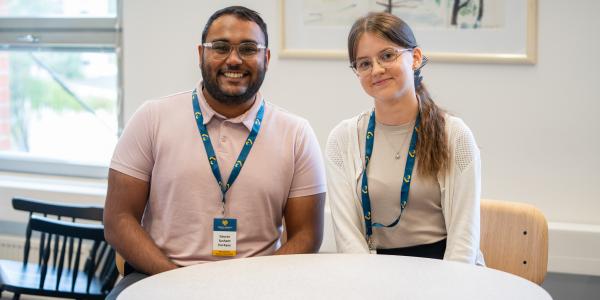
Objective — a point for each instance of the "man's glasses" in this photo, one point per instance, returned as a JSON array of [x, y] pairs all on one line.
[[385, 59], [220, 50]]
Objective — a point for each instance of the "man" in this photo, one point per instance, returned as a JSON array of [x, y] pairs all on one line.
[[210, 173]]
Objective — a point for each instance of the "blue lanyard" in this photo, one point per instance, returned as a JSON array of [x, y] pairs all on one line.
[[406, 180], [210, 151]]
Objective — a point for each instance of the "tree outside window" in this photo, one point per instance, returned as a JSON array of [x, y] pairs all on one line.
[[59, 99]]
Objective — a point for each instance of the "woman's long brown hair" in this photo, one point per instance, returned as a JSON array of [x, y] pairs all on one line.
[[433, 153]]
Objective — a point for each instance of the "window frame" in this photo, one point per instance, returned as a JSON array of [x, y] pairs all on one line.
[[93, 34]]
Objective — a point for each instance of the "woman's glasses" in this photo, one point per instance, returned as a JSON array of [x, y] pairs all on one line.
[[385, 59]]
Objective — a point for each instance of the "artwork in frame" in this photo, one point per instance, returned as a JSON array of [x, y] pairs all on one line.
[[494, 31]]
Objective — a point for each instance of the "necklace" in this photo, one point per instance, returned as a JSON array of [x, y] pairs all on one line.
[[397, 151], [397, 155]]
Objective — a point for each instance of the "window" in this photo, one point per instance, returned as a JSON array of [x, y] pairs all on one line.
[[59, 86]]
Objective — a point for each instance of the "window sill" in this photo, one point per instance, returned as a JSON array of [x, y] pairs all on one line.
[[53, 184]]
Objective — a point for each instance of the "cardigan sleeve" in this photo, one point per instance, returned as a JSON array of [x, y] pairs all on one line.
[[346, 217], [463, 226]]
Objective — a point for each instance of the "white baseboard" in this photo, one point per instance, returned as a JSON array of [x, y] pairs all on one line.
[[574, 248]]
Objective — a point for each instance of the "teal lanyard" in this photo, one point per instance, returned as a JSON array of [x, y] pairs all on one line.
[[406, 180], [210, 151]]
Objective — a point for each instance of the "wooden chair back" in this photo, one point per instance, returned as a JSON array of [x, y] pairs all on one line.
[[62, 235], [73, 211], [63, 244], [514, 239], [120, 263], [59, 210]]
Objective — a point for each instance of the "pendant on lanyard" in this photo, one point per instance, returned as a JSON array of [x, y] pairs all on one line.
[[210, 151], [406, 180]]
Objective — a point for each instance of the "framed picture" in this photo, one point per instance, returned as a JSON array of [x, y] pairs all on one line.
[[489, 31]]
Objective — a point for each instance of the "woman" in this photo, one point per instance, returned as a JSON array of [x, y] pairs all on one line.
[[404, 177]]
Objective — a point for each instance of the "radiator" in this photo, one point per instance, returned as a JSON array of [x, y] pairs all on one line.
[[11, 247]]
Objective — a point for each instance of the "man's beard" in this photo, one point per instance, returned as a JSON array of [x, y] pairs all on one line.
[[212, 86]]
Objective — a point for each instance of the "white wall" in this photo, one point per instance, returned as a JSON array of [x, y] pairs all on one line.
[[536, 125]]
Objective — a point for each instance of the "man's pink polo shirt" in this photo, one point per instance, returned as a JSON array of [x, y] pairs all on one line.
[[161, 144]]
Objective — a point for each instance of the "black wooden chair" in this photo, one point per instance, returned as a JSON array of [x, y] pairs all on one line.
[[57, 271]]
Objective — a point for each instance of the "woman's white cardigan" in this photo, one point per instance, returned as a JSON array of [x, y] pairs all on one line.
[[460, 188]]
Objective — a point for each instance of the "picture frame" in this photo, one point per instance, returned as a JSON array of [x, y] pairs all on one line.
[[318, 29]]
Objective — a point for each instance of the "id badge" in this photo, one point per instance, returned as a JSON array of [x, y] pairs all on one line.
[[224, 237]]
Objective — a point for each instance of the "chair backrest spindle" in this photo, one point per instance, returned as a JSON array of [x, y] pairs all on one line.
[[62, 238], [61, 261], [27, 243], [76, 267], [46, 249]]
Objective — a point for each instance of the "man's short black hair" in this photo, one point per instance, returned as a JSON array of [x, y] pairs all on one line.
[[239, 12]]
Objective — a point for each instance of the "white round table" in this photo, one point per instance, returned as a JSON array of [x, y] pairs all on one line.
[[334, 276]]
